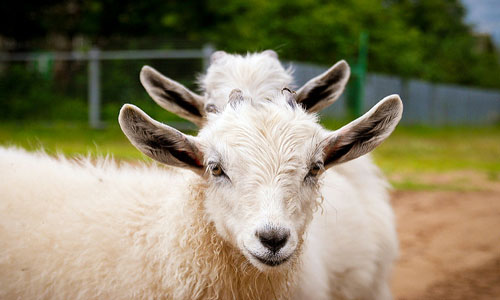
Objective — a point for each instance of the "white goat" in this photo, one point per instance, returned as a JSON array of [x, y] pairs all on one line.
[[259, 76], [243, 224]]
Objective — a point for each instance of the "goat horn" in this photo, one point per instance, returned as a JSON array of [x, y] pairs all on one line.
[[211, 108], [291, 96], [235, 97]]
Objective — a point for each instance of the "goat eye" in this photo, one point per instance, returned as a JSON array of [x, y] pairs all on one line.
[[216, 170], [314, 170]]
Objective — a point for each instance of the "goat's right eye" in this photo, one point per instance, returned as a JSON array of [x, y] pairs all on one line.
[[216, 170]]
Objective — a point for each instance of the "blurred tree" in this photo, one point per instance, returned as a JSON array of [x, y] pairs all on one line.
[[419, 38], [451, 52]]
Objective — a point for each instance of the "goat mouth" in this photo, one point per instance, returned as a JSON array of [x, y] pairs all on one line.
[[271, 262]]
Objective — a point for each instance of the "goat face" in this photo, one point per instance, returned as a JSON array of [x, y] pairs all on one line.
[[263, 164], [262, 161]]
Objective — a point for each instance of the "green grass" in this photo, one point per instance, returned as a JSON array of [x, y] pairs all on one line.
[[70, 138], [438, 149], [412, 153], [415, 184], [411, 150], [424, 149]]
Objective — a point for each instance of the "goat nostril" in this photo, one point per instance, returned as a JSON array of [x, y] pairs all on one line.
[[273, 239]]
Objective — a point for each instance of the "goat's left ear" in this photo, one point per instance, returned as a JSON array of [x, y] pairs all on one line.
[[173, 96], [160, 142], [323, 90], [363, 134]]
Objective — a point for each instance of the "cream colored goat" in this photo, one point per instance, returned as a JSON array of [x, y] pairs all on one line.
[[264, 203]]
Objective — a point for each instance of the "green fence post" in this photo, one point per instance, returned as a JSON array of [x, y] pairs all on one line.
[[355, 91], [44, 64]]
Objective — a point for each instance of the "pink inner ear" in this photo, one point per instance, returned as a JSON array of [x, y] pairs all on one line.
[[189, 157]]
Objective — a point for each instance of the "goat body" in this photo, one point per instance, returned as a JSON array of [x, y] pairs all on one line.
[[72, 229], [82, 230]]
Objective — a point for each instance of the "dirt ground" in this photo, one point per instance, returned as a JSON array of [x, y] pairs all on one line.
[[449, 242]]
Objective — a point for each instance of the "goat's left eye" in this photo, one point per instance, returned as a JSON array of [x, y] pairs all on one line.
[[314, 170]]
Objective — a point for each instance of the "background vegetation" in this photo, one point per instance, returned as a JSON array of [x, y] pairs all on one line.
[[427, 39]]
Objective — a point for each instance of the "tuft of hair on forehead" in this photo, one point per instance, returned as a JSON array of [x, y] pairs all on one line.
[[257, 74], [284, 99], [280, 110], [235, 97], [265, 138]]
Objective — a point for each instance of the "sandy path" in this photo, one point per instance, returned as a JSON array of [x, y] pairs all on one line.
[[450, 244]]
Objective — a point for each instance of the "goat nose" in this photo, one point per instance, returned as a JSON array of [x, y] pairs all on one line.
[[273, 238]]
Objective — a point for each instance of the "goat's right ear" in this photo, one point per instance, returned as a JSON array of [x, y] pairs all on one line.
[[323, 90], [363, 134], [160, 142], [173, 96]]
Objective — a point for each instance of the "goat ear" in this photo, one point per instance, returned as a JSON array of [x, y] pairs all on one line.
[[173, 96], [160, 142], [323, 90], [270, 53], [363, 134], [217, 56]]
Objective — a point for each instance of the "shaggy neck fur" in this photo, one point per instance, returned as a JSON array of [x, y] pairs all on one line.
[[132, 237], [208, 267]]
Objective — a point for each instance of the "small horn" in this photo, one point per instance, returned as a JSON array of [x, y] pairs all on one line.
[[235, 97], [291, 97], [211, 108]]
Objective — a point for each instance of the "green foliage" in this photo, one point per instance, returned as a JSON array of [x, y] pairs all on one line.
[[427, 39], [26, 94], [120, 84]]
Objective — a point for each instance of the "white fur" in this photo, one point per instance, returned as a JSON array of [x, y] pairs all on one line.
[[351, 242], [72, 229], [257, 75]]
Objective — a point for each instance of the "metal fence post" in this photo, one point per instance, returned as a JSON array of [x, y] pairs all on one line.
[[94, 88], [207, 50], [356, 89]]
